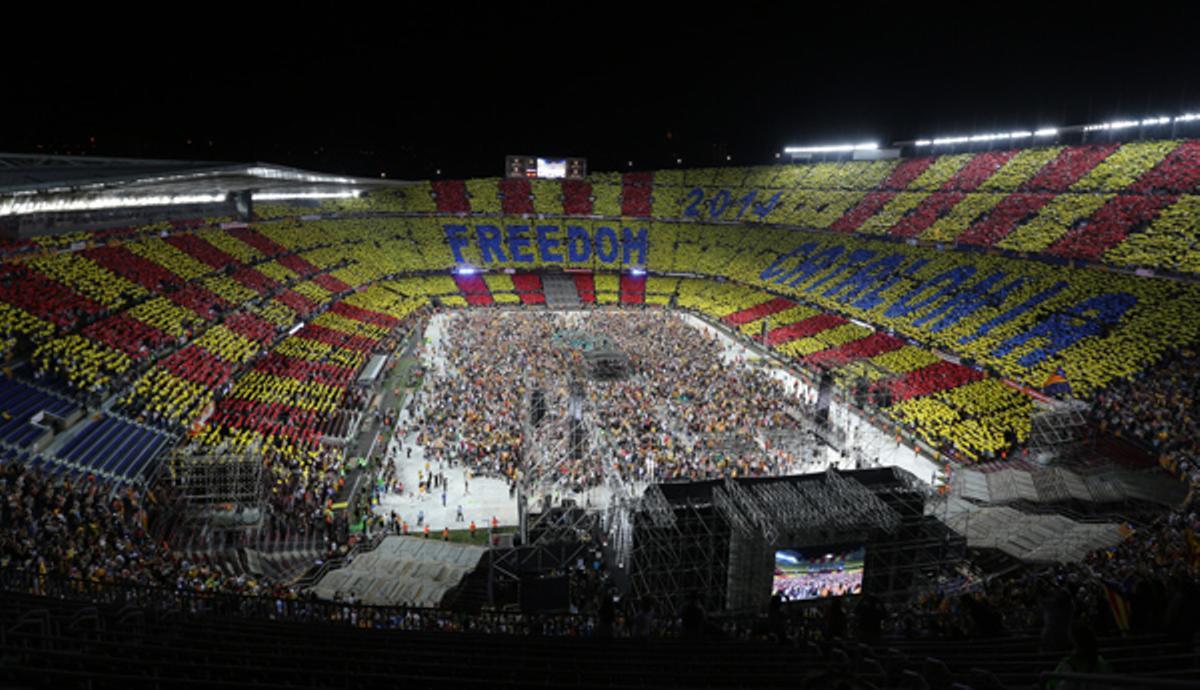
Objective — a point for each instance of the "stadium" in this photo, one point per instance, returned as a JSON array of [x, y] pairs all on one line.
[[916, 413]]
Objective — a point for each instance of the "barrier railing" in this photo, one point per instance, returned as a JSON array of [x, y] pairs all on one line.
[[292, 608], [1100, 681], [362, 546]]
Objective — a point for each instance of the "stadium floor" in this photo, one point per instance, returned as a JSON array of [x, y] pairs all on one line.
[[873, 442], [489, 497]]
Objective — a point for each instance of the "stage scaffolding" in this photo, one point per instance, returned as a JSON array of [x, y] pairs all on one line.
[[828, 433], [224, 490], [680, 548], [836, 509], [1058, 431], [717, 539], [561, 428], [921, 549], [559, 424]]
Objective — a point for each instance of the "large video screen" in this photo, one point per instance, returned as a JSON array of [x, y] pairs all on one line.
[[551, 169], [546, 168], [818, 573]]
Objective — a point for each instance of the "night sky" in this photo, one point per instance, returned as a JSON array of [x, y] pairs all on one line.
[[407, 91]]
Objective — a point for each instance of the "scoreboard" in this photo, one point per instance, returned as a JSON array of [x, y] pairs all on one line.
[[545, 168]]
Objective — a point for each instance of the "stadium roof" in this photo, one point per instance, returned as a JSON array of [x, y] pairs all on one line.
[[31, 184]]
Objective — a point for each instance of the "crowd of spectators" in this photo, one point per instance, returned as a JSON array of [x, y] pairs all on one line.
[[95, 534], [669, 419], [1144, 585], [89, 530], [1157, 408]]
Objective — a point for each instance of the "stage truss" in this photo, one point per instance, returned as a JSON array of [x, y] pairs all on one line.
[[716, 540], [561, 424], [224, 489], [1058, 431], [680, 549], [720, 545]]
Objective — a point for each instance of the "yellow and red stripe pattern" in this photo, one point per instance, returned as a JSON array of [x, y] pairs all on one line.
[[1082, 202]]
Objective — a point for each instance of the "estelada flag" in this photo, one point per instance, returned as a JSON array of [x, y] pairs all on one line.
[[1057, 383], [1119, 606]]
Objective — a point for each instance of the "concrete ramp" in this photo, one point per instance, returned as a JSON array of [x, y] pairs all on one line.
[[1033, 538], [402, 571], [1057, 484]]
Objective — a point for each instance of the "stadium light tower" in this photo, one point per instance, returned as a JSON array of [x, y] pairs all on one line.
[[288, 196], [832, 148], [807, 152]]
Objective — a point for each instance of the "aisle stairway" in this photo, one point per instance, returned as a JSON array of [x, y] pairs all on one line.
[[402, 570], [560, 291], [1030, 537], [1025, 482]]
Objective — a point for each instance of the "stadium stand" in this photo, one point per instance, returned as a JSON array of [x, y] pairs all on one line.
[[993, 637], [114, 448], [973, 199], [22, 408], [956, 285], [732, 259]]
